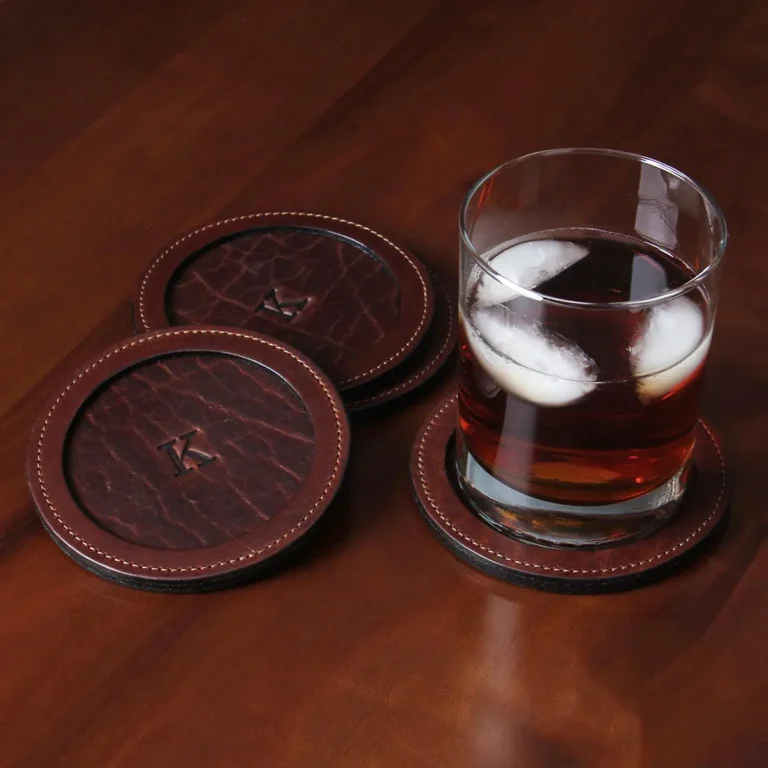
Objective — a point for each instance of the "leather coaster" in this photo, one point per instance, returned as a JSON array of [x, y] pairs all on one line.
[[584, 570], [418, 367], [348, 298], [188, 459]]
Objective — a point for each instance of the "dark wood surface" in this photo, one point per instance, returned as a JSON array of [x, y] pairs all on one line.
[[124, 123]]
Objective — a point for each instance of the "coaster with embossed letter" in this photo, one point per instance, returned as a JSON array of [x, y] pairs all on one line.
[[350, 299], [188, 459]]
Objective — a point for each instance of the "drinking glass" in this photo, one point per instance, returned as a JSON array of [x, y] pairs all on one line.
[[587, 295]]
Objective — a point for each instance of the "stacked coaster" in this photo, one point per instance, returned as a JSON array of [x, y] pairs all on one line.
[[200, 452], [365, 310]]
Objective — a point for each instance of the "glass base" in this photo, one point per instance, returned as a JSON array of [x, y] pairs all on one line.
[[561, 525]]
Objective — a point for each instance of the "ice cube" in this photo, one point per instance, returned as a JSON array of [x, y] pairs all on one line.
[[529, 363], [528, 265], [671, 346]]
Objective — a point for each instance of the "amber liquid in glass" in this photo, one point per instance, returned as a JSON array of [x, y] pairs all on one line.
[[610, 432]]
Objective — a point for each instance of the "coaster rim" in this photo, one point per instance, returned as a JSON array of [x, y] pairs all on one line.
[[117, 559], [410, 274], [444, 314], [547, 568]]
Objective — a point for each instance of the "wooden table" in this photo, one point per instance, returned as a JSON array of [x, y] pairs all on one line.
[[124, 123]]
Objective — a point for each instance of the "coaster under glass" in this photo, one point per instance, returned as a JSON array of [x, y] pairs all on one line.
[[630, 563]]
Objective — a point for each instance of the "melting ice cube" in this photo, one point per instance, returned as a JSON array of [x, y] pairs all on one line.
[[528, 265], [525, 361], [672, 344]]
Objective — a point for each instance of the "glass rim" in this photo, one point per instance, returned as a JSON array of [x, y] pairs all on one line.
[[681, 290]]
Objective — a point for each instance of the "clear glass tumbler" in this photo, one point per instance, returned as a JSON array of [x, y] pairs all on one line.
[[587, 296]]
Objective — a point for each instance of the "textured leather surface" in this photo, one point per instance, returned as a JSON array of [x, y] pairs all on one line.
[[322, 294], [420, 366], [189, 450], [606, 569]]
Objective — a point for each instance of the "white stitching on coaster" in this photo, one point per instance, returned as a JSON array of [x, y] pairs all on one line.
[[539, 566], [322, 217], [431, 364], [232, 561]]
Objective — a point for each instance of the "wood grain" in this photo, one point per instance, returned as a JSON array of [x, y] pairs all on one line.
[[123, 124]]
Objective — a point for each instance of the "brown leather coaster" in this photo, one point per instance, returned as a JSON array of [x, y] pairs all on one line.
[[418, 367], [188, 459], [605, 569], [348, 298]]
